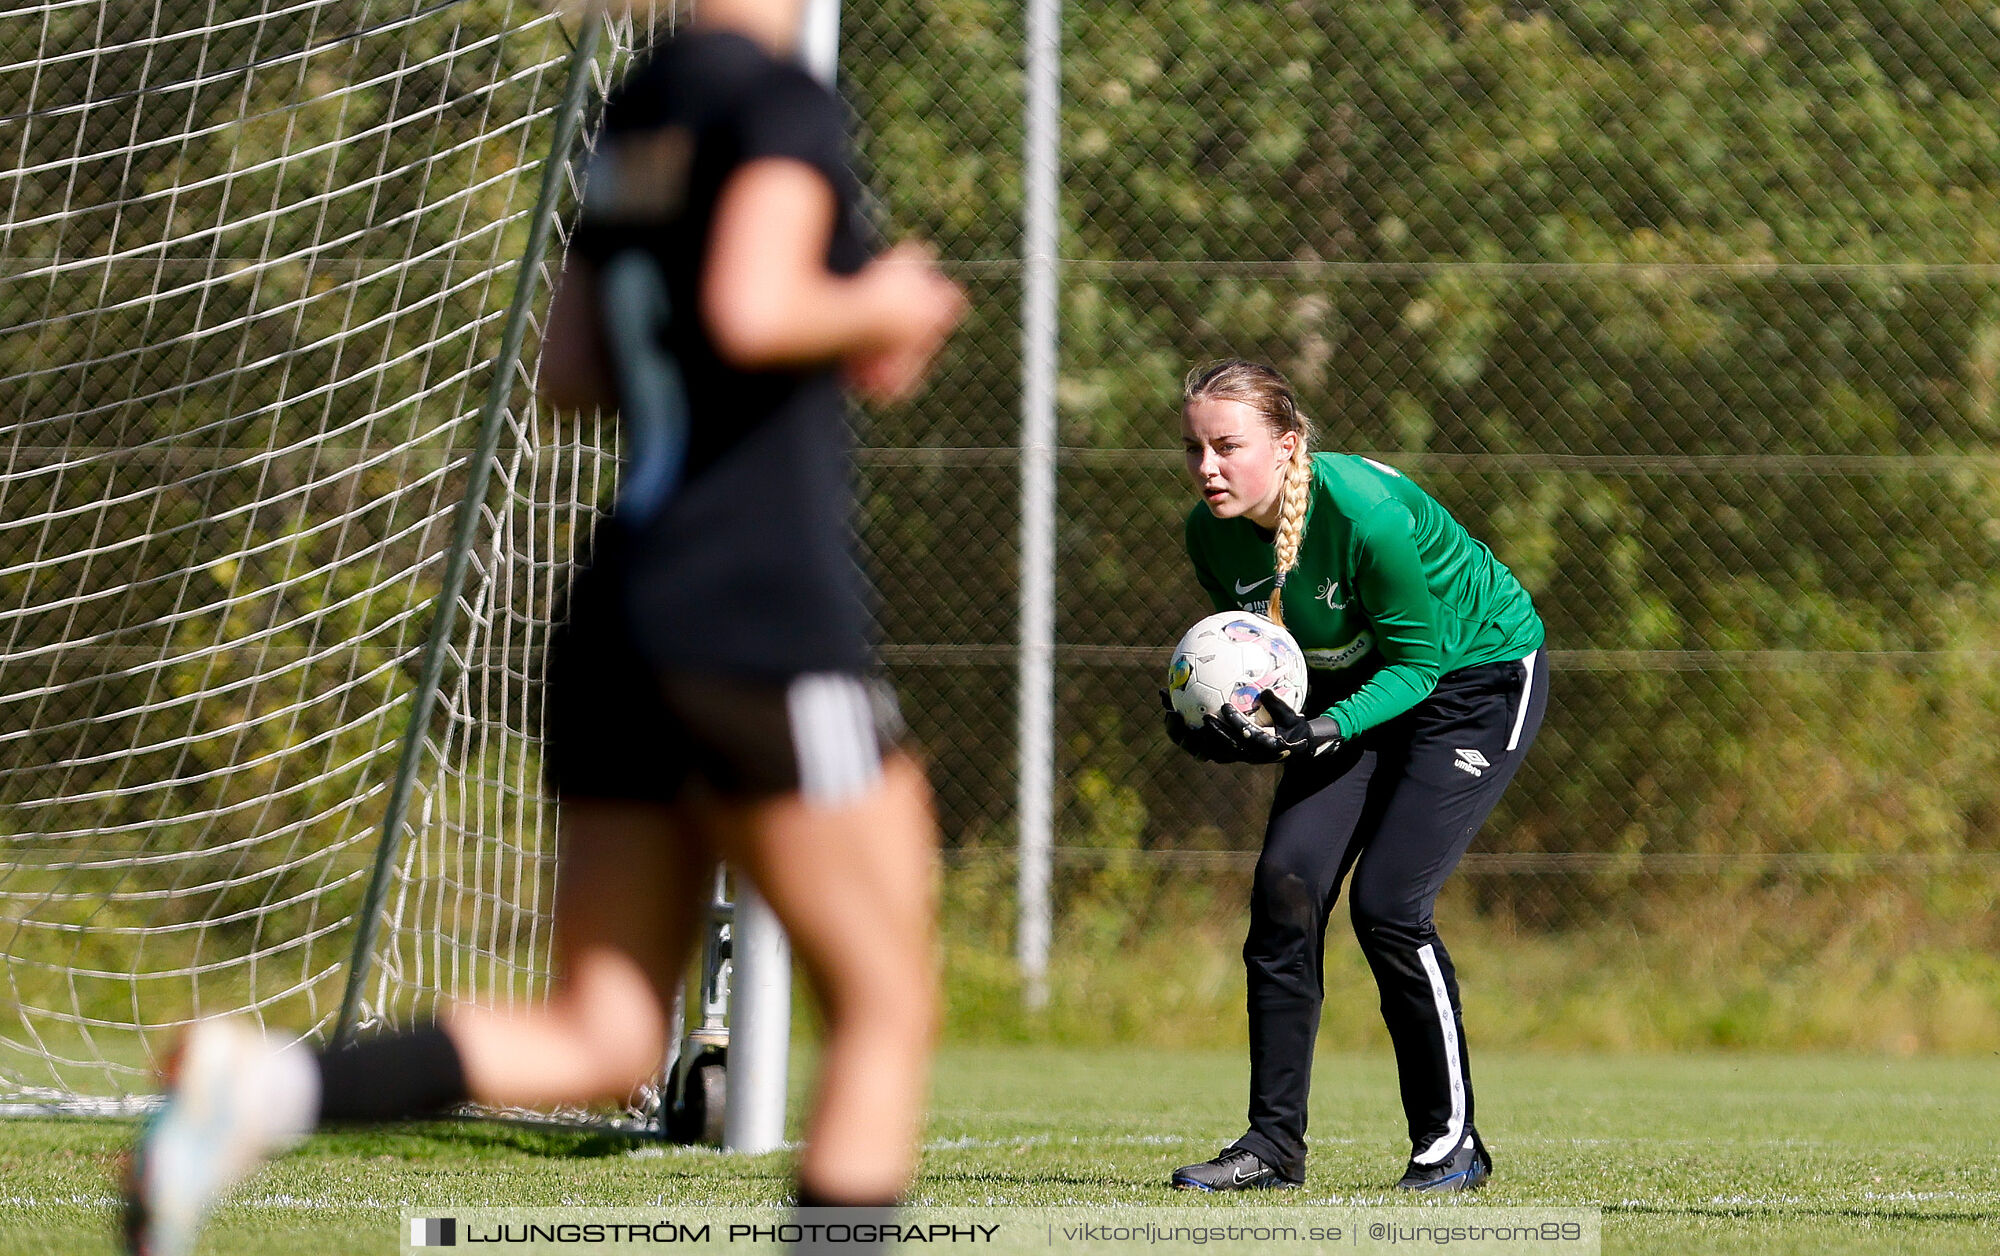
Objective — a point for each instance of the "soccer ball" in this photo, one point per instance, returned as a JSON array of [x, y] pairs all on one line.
[[1227, 660]]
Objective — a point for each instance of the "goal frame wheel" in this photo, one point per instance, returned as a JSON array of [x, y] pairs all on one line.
[[699, 1104]]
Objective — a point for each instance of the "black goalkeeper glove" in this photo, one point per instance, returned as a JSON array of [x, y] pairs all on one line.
[[1309, 738], [1205, 741], [1289, 735]]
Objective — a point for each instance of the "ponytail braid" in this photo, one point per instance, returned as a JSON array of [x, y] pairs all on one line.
[[1291, 521]]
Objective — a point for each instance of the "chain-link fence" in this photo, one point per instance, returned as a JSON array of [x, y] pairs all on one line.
[[1690, 310]]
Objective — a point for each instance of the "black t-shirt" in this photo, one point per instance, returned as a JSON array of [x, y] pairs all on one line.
[[740, 557]]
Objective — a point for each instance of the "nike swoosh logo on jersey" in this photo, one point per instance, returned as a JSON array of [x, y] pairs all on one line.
[[1242, 588]]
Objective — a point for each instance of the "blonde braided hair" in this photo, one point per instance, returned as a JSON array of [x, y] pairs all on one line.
[[1264, 390]]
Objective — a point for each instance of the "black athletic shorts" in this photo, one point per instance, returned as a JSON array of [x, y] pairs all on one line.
[[619, 728]]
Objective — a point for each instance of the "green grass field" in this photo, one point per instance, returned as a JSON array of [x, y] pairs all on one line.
[[1761, 1155]]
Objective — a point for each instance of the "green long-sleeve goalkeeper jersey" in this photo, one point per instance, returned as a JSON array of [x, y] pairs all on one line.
[[1387, 581]]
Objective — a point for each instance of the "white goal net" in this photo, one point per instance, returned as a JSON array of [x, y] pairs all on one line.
[[255, 256]]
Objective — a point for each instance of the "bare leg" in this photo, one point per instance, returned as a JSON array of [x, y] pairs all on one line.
[[856, 888], [631, 887]]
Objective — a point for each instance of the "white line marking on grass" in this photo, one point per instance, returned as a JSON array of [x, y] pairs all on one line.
[[969, 1142], [684, 1151], [1545, 1140], [251, 1201], [308, 1203], [966, 1142]]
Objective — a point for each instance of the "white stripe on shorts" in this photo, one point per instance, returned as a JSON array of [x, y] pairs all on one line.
[[833, 737], [1527, 691], [1454, 1130]]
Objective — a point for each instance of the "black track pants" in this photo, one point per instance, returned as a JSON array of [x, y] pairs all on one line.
[[1397, 807]]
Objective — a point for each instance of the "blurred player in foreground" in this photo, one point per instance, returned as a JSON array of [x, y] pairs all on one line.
[[710, 694], [1428, 684]]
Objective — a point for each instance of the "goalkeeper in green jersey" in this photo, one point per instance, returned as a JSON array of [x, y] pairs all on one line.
[[1428, 683]]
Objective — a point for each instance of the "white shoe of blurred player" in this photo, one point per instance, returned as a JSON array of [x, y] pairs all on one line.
[[235, 1097]]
